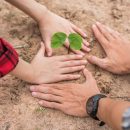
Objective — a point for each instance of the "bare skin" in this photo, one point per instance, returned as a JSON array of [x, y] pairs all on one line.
[[49, 69], [116, 47], [49, 23], [71, 99]]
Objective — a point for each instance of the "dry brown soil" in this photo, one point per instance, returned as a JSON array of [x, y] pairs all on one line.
[[18, 110]]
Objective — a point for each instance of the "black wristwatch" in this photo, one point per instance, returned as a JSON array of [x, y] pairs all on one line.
[[92, 106]]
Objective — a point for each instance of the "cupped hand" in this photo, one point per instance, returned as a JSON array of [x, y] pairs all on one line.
[[57, 68], [52, 23], [116, 47], [69, 98]]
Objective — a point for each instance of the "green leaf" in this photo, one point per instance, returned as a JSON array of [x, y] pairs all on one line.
[[75, 41], [58, 39]]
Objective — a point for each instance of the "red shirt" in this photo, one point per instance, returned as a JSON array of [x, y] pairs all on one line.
[[8, 58]]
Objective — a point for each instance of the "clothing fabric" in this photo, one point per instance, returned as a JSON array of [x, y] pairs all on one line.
[[8, 58], [126, 120]]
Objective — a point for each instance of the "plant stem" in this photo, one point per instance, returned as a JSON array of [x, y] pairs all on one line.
[[69, 50]]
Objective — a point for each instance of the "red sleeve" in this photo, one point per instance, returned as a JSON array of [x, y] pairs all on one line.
[[8, 58]]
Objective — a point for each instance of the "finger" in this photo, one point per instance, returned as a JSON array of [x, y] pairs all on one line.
[[104, 31], [85, 43], [48, 46], [115, 34], [70, 57], [74, 63], [72, 69], [52, 105], [47, 97], [47, 89], [78, 30], [102, 40], [42, 49], [79, 52], [85, 48], [69, 77], [97, 61], [87, 74]]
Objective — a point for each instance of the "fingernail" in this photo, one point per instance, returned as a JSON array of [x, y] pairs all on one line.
[[79, 76], [34, 93], [32, 88], [49, 53], [85, 35], [40, 102], [85, 61], [82, 67], [97, 23], [82, 54], [94, 26], [88, 49]]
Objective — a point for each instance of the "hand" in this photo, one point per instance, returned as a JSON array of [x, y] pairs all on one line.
[[70, 98], [54, 69], [116, 47], [52, 23]]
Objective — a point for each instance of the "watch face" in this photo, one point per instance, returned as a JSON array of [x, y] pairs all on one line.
[[90, 105]]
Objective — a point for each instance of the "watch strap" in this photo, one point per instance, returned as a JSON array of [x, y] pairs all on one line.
[[95, 99]]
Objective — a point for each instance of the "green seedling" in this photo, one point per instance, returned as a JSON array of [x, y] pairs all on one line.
[[59, 38]]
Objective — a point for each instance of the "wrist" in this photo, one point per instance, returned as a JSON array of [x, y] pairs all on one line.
[[42, 13], [103, 109], [24, 71]]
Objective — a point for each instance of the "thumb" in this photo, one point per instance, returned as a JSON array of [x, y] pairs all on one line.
[[42, 49], [87, 74], [97, 61], [48, 46]]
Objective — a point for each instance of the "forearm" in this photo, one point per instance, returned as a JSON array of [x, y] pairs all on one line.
[[30, 7], [111, 112], [24, 71]]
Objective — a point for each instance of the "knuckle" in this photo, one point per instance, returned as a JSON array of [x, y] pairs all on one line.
[[73, 77], [73, 68], [72, 62], [69, 56], [106, 64], [48, 90], [53, 105], [50, 97], [97, 34], [81, 62], [68, 76]]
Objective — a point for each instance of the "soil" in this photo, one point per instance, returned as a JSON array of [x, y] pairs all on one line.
[[18, 110]]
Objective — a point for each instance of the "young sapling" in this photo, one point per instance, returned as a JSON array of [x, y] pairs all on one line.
[[59, 38]]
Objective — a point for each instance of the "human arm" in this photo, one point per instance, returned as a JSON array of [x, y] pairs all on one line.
[[116, 48], [111, 112], [49, 23], [49, 69], [41, 69], [71, 99]]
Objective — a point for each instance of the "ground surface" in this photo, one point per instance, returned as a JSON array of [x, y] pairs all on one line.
[[18, 110]]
